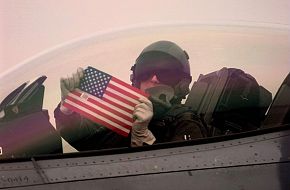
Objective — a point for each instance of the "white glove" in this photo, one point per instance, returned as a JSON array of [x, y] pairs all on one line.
[[142, 115], [69, 84]]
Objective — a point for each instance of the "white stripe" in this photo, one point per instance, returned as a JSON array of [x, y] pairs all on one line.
[[107, 104], [100, 109], [119, 102], [122, 95], [127, 89], [97, 116]]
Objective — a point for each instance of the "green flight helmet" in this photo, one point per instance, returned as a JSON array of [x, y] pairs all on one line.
[[167, 48], [177, 61]]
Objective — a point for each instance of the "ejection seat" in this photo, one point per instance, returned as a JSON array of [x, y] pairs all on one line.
[[229, 101]]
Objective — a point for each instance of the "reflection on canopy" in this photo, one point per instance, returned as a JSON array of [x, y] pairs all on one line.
[[262, 52]]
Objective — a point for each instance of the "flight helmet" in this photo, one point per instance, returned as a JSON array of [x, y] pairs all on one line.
[[168, 62]]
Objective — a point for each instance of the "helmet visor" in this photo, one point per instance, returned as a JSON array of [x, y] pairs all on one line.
[[164, 76]]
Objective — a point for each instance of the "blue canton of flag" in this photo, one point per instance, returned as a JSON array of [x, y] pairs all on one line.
[[95, 82]]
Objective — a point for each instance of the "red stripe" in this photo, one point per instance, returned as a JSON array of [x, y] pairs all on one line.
[[99, 112], [123, 91], [101, 122], [117, 105], [130, 119], [109, 102], [97, 103], [120, 99], [112, 102], [129, 86]]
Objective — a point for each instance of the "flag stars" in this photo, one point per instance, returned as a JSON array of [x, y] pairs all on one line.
[[95, 82]]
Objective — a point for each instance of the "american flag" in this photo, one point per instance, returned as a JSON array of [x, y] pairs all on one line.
[[105, 100]]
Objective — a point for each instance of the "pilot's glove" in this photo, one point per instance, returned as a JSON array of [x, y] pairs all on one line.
[[69, 84], [142, 115]]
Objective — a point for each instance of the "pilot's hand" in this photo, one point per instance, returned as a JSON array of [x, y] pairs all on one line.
[[142, 115], [68, 84]]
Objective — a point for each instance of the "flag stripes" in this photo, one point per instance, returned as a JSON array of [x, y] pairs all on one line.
[[137, 92], [99, 110], [94, 117], [105, 100]]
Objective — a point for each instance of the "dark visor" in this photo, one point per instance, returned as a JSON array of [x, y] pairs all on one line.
[[168, 77]]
